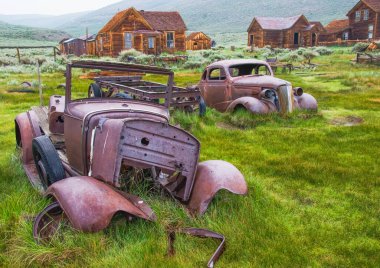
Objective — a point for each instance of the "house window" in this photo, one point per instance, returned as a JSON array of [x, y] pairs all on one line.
[[128, 41], [366, 14], [170, 40], [370, 31], [357, 16], [345, 36], [151, 42]]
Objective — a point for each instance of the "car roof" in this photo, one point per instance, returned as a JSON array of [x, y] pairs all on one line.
[[227, 63]]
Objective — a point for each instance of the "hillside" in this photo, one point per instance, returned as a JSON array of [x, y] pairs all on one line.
[[16, 32], [209, 15]]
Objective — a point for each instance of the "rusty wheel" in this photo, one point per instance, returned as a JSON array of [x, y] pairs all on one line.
[[47, 223], [48, 163]]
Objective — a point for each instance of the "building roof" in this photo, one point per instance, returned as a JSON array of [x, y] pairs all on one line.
[[157, 20], [373, 4], [194, 35], [268, 23], [337, 26], [164, 21]]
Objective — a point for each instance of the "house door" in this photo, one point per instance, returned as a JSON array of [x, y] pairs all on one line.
[[313, 39], [296, 39], [128, 41], [251, 40]]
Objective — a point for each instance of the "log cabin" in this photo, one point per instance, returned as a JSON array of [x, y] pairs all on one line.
[[78, 46], [198, 41], [364, 20], [290, 32], [336, 30], [150, 32]]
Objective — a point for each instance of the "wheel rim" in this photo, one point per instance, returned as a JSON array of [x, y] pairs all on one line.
[[42, 173]]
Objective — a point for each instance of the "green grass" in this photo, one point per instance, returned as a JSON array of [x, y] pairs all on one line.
[[314, 187]]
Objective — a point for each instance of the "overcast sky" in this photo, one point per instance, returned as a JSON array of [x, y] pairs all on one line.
[[51, 7]]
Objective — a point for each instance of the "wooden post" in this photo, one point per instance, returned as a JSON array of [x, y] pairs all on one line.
[[39, 83], [18, 55], [55, 53]]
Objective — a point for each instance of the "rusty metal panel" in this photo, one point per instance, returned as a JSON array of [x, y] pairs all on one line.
[[213, 176], [90, 204]]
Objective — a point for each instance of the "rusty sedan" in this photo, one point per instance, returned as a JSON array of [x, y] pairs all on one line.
[[231, 85]]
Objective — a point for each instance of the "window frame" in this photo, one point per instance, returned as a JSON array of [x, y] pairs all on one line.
[[370, 31], [153, 44], [167, 40], [366, 14], [358, 15], [221, 69], [125, 40]]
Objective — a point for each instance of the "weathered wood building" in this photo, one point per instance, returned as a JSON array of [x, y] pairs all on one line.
[[78, 46], [290, 32], [364, 20], [336, 30], [150, 32], [198, 41]]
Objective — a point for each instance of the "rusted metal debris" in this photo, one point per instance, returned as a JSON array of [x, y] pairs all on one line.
[[202, 233], [231, 85]]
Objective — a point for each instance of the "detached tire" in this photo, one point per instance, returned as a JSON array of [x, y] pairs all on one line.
[[94, 91], [48, 163]]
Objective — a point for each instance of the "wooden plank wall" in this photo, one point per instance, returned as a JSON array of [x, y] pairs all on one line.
[[360, 28]]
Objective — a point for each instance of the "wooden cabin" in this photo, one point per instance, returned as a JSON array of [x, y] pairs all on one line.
[[364, 20], [336, 30], [83, 45], [150, 32], [198, 41], [290, 32]]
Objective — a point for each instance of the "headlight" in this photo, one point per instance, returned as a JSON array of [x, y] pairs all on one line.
[[268, 93], [298, 91]]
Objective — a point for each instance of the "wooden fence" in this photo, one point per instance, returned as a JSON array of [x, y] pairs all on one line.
[[18, 48]]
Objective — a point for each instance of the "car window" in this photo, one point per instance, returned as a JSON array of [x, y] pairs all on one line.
[[217, 74], [248, 69], [234, 72], [262, 70]]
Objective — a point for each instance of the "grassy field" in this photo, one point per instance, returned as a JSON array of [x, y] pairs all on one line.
[[314, 184]]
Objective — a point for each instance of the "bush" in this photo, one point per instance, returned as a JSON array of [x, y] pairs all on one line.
[[6, 61], [360, 47], [323, 50], [52, 67], [126, 55], [292, 57], [145, 59], [13, 82], [310, 54]]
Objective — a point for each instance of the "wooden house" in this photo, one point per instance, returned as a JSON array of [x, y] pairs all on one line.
[[83, 45], [336, 30], [91, 45], [150, 32], [198, 41], [364, 20], [290, 32]]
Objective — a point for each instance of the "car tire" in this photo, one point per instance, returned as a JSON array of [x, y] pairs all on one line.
[[48, 163], [94, 91], [202, 107]]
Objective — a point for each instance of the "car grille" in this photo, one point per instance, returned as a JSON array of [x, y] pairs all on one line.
[[286, 98]]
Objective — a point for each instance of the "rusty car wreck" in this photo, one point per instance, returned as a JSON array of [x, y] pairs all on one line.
[[73, 151], [230, 85]]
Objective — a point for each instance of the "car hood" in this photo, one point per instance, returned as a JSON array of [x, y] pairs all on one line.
[[259, 80]]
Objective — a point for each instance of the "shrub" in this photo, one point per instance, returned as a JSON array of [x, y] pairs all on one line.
[[52, 67], [13, 82], [359, 47], [292, 57], [323, 50], [193, 64], [6, 61], [126, 55], [145, 59], [310, 54], [26, 60]]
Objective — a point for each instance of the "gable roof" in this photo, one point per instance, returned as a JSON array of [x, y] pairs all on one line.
[[164, 21], [337, 26], [269, 23], [373, 4], [195, 34], [156, 20]]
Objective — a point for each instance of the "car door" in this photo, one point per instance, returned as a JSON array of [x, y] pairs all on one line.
[[215, 89]]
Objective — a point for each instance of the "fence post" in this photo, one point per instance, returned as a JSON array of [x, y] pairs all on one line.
[[39, 82], [18, 55], [55, 53]]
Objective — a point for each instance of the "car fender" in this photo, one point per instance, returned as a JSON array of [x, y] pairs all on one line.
[[211, 177], [307, 101], [251, 104], [90, 204], [26, 128]]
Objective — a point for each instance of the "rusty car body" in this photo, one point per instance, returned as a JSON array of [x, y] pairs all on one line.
[[74, 151], [230, 85]]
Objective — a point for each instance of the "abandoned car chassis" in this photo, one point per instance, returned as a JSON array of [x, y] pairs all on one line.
[[74, 150]]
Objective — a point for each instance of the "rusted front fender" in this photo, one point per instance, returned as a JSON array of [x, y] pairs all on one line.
[[90, 204], [251, 104], [213, 176], [307, 102]]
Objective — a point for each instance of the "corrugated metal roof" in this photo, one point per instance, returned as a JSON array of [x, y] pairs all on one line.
[[269, 23]]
